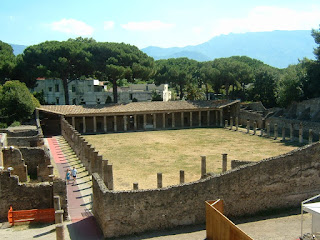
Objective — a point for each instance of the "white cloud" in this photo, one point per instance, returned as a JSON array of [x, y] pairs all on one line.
[[108, 25], [268, 18], [147, 26], [72, 26]]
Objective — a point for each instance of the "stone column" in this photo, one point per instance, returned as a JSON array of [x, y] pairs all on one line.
[[135, 122], [144, 121], [73, 122], [135, 186], [261, 132], [84, 128], [37, 114], [310, 136], [125, 123], [221, 118], [94, 124], [190, 119], [56, 202], [59, 232], [283, 132], [254, 128], [300, 133], [237, 123], [203, 166], [159, 180], [291, 132], [248, 126], [182, 119], [268, 129], [115, 128], [163, 120], [275, 131], [208, 118], [154, 118], [59, 216], [199, 118], [110, 176], [231, 123], [173, 120], [181, 176], [224, 162], [105, 172], [225, 123], [105, 123]]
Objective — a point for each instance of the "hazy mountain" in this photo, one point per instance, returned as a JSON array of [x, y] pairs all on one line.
[[17, 49], [276, 48]]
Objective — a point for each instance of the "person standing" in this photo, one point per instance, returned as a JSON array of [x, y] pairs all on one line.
[[74, 174], [68, 176]]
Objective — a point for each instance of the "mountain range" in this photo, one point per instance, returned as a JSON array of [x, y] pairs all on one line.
[[276, 48]]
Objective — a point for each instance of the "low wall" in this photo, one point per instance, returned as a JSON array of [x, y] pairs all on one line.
[[273, 183], [238, 163], [87, 154], [28, 196]]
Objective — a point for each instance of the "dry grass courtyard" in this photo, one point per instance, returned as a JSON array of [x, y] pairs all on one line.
[[139, 156]]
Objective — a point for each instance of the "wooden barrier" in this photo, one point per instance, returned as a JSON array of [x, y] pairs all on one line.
[[33, 215], [218, 226]]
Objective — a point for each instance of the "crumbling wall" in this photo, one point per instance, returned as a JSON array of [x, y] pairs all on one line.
[[12, 158], [37, 159], [273, 183], [28, 196]]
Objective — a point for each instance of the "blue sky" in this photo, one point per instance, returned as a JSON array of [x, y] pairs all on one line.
[[165, 23]]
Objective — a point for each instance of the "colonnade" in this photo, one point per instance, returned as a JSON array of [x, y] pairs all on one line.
[[147, 121]]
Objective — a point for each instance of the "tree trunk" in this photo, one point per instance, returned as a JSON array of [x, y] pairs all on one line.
[[227, 86], [115, 91], [66, 92], [181, 92]]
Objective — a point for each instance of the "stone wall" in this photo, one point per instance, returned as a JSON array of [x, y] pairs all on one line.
[[238, 163], [252, 116], [273, 183], [12, 158], [28, 196], [24, 137], [87, 154], [37, 159], [315, 126]]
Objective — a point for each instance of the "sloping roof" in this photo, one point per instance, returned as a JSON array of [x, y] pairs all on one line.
[[135, 107]]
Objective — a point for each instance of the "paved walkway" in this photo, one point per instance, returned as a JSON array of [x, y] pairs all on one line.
[[79, 194]]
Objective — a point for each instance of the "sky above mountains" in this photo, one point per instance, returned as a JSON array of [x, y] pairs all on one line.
[[165, 23]]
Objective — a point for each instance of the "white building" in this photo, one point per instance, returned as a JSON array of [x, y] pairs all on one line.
[[95, 92]]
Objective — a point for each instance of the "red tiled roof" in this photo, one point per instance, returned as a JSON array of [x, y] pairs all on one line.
[[135, 107]]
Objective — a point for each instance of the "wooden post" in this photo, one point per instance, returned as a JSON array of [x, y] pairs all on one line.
[[224, 162], [159, 180], [203, 166]]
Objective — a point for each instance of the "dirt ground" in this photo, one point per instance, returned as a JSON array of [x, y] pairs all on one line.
[[139, 156], [284, 226]]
